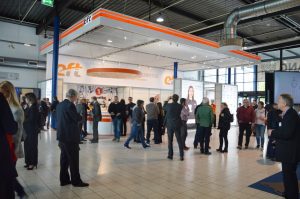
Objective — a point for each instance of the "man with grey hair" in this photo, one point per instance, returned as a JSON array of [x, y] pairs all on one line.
[[287, 138], [68, 135], [205, 119]]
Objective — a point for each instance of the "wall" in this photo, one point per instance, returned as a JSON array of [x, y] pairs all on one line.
[[28, 78], [22, 34]]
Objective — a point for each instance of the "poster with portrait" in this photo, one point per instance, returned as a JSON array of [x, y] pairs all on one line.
[[193, 92]]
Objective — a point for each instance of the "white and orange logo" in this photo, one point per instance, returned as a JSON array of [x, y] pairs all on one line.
[[68, 70], [168, 80]]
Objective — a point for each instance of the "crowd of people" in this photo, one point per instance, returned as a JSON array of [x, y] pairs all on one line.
[[24, 121]]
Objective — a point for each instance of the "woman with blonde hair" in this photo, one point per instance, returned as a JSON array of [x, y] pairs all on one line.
[[9, 92]]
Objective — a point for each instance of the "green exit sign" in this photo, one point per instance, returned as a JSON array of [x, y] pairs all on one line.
[[48, 2]]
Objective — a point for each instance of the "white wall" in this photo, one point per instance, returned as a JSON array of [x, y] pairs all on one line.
[[28, 78], [22, 34]]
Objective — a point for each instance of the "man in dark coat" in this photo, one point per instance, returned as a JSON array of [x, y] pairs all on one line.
[[288, 145], [7, 169], [173, 121], [68, 135], [97, 116]]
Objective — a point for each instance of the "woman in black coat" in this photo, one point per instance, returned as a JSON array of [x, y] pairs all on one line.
[[224, 126], [31, 127]]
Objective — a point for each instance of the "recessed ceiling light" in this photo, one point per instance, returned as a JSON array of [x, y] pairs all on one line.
[[109, 41], [160, 18], [28, 45], [206, 56], [193, 57], [125, 38]]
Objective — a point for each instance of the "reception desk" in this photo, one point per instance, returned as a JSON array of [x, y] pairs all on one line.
[[105, 125]]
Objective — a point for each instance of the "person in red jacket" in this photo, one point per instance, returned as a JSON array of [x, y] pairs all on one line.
[[245, 117]]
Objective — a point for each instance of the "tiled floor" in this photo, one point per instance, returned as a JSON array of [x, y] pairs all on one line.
[[116, 172]]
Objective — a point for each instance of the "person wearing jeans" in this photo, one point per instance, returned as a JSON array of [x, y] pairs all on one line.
[[245, 117], [137, 122], [260, 127], [114, 110]]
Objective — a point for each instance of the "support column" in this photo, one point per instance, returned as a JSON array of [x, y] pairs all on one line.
[[229, 75], [281, 60], [55, 56], [255, 80], [175, 69]]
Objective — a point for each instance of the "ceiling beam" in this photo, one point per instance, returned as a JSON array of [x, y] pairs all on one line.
[[269, 55], [58, 8], [292, 52]]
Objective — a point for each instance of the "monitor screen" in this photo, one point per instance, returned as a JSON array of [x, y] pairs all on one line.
[[287, 82]]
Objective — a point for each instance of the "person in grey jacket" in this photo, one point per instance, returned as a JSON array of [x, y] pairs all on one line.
[[152, 120], [8, 89], [137, 120]]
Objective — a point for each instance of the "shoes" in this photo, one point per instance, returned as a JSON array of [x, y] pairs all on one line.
[[65, 183], [31, 167], [239, 147], [146, 146], [186, 148], [181, 158], [94, 141], [114, 139], [246, 147], [127, 146], [82, 184], [224, 151], [195, 147], [80, 142], [207, 153], [24, 196], [209, 147], [170, 158], [257, 146], [219, 150]]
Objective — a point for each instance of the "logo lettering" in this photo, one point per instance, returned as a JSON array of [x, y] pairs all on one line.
[[68, 70]]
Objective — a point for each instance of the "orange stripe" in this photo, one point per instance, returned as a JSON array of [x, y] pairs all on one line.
[[246, 54], [113, 70]]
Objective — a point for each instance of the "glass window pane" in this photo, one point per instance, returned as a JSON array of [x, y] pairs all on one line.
[[239, 70], [239, 77], [210, 79], [240, 86], [249, 69], [248, 86], [223, 79], [261, 86], [248, 77], [210, 72], [223, 71]]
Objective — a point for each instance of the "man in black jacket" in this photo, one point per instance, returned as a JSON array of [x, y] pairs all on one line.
[[97, 116], [7, 169], [288, 145], [173, 121], [68, 135]]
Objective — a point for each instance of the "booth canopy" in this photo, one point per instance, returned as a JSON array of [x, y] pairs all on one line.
[[114, 37]]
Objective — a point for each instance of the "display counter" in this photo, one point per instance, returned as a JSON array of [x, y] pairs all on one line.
[[104, 127]]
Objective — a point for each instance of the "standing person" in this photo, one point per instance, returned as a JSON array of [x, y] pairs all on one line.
[[97, 117], [8, 172], [43, 108], [32, 129], [205, 119], [68, 136], [161, 117], [54, 104], [152, 120], [84, 116], [49, 112], [260, 126], [191, 102], [225, 118], [137, 122], [123, 125], [9, 92], [184, 118], [79, 109], [130, 106], [274, 118], [24, 103], [197, 134], [254, 104], [287, 145], [214, 107], [245, 117], [114, 110], [173, 123]]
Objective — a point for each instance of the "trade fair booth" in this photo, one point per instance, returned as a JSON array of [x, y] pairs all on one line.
[[108, 53]]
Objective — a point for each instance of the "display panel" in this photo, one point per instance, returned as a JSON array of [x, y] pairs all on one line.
[[229, 95], [193, 92], [287, 82]]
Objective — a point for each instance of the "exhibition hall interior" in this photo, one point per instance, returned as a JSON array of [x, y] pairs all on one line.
[[149, 99]]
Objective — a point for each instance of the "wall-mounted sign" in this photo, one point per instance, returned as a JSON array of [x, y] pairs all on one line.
[[48, 2], [88, 19]]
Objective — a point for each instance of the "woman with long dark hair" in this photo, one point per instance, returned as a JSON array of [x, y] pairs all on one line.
[[224, 126], [31, 127], [191, 102]]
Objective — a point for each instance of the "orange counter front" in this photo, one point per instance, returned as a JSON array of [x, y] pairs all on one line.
[[104, 127]]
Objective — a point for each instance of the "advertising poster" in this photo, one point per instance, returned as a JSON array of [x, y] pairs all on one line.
[[193, 92]]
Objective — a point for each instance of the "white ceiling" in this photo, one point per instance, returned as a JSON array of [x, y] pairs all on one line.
[[117, 45]]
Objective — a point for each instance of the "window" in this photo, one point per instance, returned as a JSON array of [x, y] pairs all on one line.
[[210, 75]]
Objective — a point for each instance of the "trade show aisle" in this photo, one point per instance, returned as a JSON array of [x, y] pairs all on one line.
[[116, 172]]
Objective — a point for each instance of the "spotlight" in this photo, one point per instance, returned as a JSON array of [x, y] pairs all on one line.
[[160, 18]]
